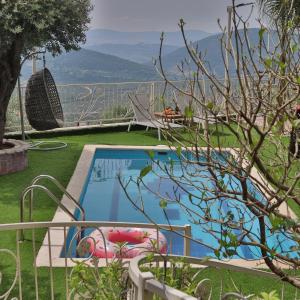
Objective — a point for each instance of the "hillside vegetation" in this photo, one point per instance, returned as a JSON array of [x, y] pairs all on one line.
[[210, 49], [86, 66], [140, 53]]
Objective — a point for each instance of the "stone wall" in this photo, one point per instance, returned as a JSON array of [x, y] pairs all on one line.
[[14, 158]]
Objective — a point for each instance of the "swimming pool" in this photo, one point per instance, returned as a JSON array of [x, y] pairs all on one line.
[[104, 199]]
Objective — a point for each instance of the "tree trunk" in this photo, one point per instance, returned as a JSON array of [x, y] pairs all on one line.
[[10, 65], [282, 82], [6, 89]]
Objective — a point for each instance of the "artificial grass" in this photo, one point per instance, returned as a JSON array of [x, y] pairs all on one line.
[[61, 164], [223, 281]]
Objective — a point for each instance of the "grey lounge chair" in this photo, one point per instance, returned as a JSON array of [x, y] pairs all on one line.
[[143, 115]]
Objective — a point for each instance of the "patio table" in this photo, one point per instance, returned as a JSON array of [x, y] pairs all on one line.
[[169, 117]]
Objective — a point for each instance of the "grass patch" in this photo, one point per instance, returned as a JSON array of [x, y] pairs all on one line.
[[222, 281], [61, 164]]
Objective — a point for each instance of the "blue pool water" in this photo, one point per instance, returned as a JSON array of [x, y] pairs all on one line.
[[104, 199]]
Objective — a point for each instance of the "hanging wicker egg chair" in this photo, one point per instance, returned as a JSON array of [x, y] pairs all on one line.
[[42, 103]]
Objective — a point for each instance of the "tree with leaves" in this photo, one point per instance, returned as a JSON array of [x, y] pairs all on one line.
[[27, 25], [280, 10], [283, 16], [235, 178]]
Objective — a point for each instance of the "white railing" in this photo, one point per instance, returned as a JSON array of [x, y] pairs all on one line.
[[22, 277], [146, 286], [94, 104], [30, 257], [102, 103]]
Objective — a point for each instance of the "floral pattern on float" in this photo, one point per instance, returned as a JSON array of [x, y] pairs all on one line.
[[113, 242]]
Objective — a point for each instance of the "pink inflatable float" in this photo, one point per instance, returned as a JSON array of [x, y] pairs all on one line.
[[137, 241]]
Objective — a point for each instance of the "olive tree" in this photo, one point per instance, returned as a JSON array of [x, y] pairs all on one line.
[[29, 24], [235, 176]]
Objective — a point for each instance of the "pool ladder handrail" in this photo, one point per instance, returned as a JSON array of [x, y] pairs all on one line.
[[63, 190], [35, 186]]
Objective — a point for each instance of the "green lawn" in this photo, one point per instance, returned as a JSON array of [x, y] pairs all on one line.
[[61, 164], [229, 281]]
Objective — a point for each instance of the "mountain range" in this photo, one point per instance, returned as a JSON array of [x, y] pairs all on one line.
[[87, 66], [211, 52], [118, 62], [140, 53], [104, 36]]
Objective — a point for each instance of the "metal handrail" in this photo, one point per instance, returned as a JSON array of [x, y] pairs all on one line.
[[62, 189], [66, 193], [51, 196], [49, 193], [53, 224]]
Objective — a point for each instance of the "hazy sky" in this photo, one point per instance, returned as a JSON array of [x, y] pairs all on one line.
[[162, 15]]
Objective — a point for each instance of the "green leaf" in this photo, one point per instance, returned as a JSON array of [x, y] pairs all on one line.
[[217, 253], [188, 112], [145, 171], [17, 29], [291, 24], [276, 222], [179, 150], [233, 239], [268, 62], [261, 32], [270, 296], [296, 123], [282, 65], [222, 184], [163, 203], [171, 165], [230, 252], [150, 256], [270, 118], [151, 154], [210, 105], [294, 48]]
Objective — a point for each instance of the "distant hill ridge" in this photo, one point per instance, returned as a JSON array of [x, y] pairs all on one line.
[[211, 48], [87, 66], [105, 36], [141, 53]]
